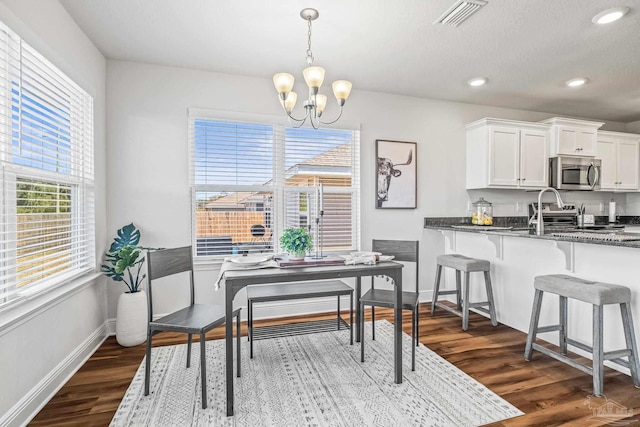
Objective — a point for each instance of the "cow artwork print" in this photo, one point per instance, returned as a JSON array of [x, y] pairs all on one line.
[[392, 189]]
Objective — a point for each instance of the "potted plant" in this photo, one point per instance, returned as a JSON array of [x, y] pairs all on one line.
[[123, 263], [296, 241]]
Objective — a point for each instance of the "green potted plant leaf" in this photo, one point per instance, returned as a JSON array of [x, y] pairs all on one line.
[[123, 263], [296, 241]]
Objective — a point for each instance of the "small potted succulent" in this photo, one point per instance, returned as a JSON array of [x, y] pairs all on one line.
[[296, 241]]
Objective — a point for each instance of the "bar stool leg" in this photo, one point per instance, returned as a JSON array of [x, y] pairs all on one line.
[[417, 315], [338, 316], [630, 338], [492, 304], [533, 325], [598, 352], [458, 290], [436, 289], [563, 325], [465, 303]]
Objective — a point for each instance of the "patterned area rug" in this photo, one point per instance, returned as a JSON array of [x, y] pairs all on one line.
[[311, 380]]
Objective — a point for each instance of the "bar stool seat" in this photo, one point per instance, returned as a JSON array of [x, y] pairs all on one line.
[[598, 294], [461, 263]]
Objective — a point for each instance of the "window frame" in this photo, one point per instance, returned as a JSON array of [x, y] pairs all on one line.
[[278, 189], [80, 176]]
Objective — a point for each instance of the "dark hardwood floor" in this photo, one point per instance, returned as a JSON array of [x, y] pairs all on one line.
[[550, 393]]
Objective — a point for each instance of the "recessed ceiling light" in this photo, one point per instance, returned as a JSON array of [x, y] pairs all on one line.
[[577, 82], [610, 15], [477, 81]]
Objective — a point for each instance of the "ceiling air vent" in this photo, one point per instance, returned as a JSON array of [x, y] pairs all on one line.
[[460, 11]]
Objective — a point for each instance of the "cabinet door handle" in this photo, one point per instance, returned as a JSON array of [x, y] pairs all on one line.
[[524, 179]]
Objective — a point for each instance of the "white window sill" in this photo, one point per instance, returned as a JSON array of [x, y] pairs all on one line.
[[27, 306]]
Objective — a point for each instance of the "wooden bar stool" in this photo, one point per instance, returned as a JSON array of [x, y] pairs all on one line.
[[462, 263], [595, 293]]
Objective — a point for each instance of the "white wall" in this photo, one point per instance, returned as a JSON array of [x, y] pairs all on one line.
[[40, 347], [148, 155]]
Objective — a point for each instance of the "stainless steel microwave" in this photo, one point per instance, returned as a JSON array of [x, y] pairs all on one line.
[[574, 173]]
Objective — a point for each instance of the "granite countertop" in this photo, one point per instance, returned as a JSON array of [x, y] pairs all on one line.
[[519, 229]]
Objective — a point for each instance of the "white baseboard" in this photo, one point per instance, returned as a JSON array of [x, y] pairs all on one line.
[[30, 404]]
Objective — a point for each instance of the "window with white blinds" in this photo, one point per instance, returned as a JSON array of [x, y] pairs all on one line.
[[46, 173], [250, 181]]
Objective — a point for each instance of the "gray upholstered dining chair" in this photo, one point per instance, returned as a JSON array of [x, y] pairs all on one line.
[[193, 319], [404, 251]]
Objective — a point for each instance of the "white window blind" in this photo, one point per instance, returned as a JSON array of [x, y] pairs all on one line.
[[252, 180], [46, 161]]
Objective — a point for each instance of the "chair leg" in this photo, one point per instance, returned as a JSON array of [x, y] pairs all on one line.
[[533, 324], [250, 326], [238, 352], [189, 341], [417, 337], [361, 332], [563, 325], [338, 315], [492, 303], [436, 289], [147, 364], [465, 303], [458, 290], [249, 320], [373, 323], [203, 370], [598, 351], [630, 338], [351, 318], [413, 334]]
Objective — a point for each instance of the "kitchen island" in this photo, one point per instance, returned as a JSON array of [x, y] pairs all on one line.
[[517, 255]]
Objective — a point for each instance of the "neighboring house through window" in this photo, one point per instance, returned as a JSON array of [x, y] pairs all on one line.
[[46, 173], [252, 180]]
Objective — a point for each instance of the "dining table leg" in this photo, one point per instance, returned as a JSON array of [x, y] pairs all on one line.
[[359, 314], [228, 326], [397, 327]]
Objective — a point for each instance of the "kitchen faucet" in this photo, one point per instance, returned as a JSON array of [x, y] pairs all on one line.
[[540, 223]]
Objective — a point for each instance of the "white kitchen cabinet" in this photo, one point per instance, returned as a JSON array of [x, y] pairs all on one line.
[[507, 154], [620, 155], [572, 137]]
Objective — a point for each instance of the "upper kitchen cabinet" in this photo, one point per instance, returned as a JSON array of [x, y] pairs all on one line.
[[572, 137], [620, 155], [507, 154]]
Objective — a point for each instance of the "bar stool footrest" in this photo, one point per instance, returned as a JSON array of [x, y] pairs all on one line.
[[550, 328], [447, 292], [564, 359], [449, 309]]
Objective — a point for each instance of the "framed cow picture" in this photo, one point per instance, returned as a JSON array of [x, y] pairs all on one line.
[[396, 185]]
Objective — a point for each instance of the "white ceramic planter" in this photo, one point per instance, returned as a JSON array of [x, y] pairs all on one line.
[[131, 319], [296, 257]]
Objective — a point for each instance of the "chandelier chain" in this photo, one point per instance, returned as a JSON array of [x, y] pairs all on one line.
[[309, 53]]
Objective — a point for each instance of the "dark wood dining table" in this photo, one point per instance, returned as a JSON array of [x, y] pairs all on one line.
[[235, 280]]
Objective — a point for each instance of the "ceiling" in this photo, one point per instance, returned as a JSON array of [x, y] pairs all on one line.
[[527, 49]]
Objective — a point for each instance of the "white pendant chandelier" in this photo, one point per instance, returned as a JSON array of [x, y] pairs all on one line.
[[314, 76]]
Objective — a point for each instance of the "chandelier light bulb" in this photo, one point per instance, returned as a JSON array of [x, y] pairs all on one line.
[[290, 102], [321, 102], [314, 76], [283, 83], [341, 90]]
